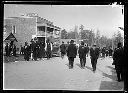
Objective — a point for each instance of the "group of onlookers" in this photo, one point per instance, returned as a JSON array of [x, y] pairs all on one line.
[[35, 50], [10, 49]]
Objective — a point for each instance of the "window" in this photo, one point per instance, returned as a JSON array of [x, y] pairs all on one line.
[[41, 28], [13, 29]]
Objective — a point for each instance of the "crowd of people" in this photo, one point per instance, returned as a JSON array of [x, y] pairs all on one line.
[[35, 50], [39, 50]]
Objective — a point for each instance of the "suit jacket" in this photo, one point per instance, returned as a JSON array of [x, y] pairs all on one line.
[[72, 50], [82, 51], [94, 53]]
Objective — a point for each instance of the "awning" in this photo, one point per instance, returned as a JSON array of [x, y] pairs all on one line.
[[11, 37]]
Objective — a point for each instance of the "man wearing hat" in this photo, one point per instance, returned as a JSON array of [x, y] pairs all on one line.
[[26, 51], [94, 54], [118, 60], [62, 49], [82, 54], [71, 53]]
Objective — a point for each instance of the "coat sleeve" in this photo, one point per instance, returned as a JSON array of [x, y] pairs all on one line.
[[75, 50]]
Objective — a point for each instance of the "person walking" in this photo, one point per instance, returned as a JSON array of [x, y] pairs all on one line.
[[71, 53], [82, 54], [94, 54], [26, 51], [62, 49], [118, 61]]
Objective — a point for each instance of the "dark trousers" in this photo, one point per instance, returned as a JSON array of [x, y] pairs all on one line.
[[35, 55], [62, 54], [71, 61], [120, 72], [48, 53], [26, 57], [94, 62], [83, 61]]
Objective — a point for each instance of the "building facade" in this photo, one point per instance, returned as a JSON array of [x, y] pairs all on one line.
[[29, 26]]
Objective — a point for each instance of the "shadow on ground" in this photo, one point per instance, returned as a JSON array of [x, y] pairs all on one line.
[[111, 85], [18, 58], [13, 58]]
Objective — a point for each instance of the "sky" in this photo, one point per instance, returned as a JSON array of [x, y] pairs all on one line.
[[104, 18]]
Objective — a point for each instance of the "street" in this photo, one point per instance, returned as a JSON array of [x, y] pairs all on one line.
[[54, 74]]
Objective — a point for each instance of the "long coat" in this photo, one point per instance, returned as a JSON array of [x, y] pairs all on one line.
[[72, 51], [94, 53], [82, 51], [118, 58], [63, 48], [26, 52]]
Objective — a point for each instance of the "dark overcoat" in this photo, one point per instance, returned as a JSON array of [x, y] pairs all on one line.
[[82, 51], [118, 58], [94, 53], [72, 51], [63, 48], [27, 52]]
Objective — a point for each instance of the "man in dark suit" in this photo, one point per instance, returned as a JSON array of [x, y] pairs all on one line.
[[118, 61], [62, 49], [94, 54], [26, 51], [82, 54], [71, 53]]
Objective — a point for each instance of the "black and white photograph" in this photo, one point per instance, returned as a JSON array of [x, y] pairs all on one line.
[[63, 47]]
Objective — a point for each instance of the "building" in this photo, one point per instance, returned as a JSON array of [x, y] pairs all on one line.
[[29, 26]]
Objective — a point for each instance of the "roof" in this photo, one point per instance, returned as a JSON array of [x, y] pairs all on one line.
[[11, 37]]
